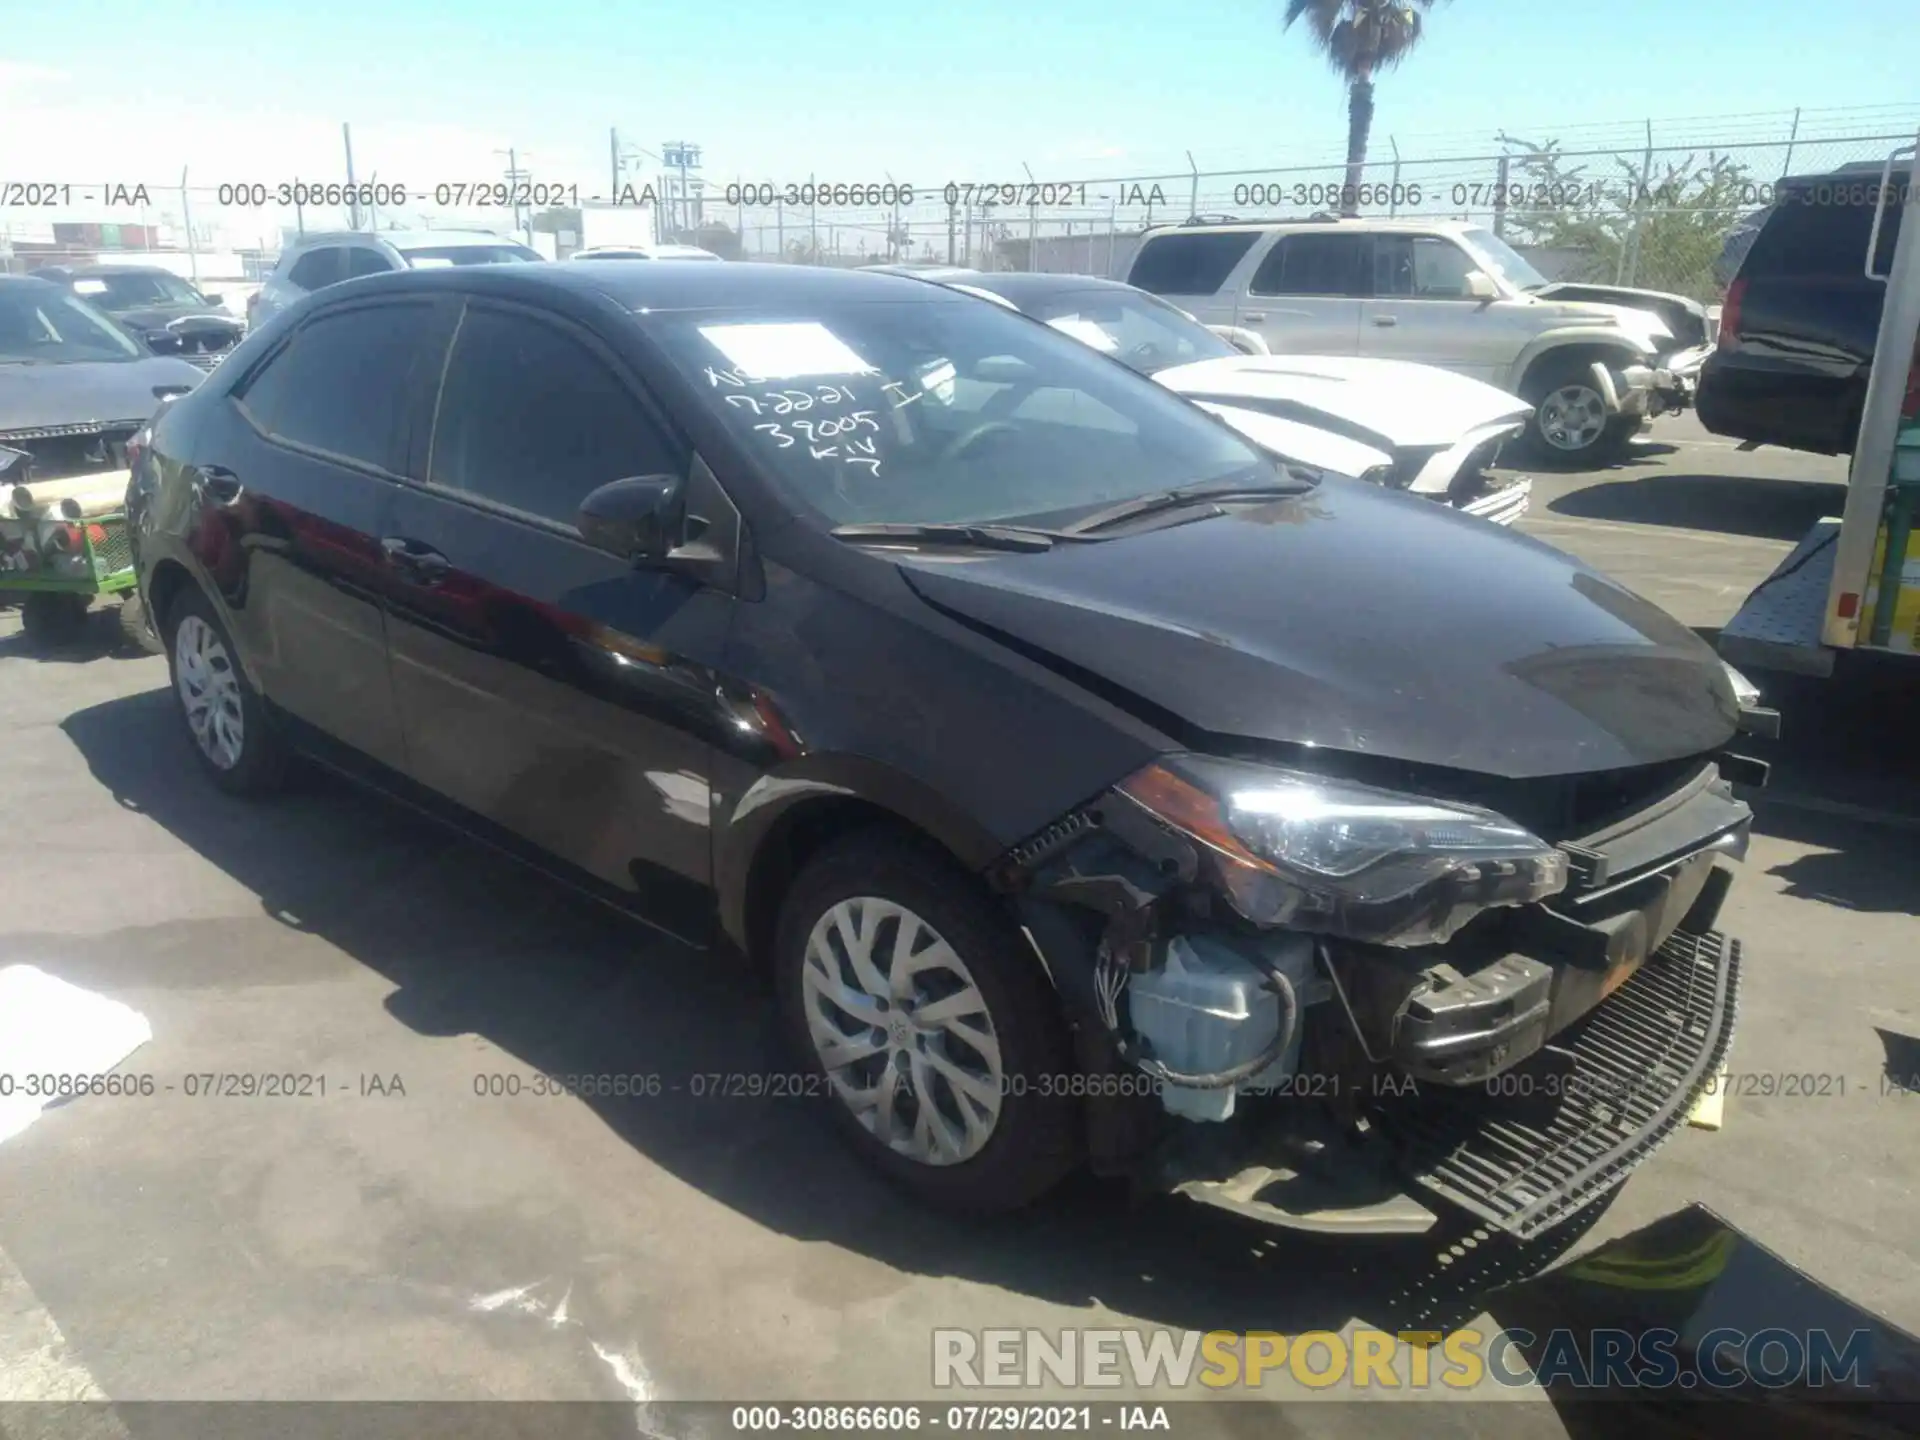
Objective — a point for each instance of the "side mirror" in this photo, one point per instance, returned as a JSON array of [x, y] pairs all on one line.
[[643, 517], [218, 302], [1480, 286]]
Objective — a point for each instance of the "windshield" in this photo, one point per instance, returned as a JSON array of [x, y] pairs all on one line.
[[944, 411], [44, 324], [1136, 329], [1503, 260], [434, 257], [124, 292]]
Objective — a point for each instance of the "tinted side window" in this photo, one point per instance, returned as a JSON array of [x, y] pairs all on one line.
[[316, 269], [364, 261], [1312, 265], [530, 417], [1196, 264], [341, 384], [1421, 267]]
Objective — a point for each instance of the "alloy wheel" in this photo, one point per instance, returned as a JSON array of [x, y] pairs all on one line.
[[1572, 417], [902, 1031], [209, 689]]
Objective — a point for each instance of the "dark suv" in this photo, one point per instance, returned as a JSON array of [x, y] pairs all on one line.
[[1800, 320], [1016, 712]]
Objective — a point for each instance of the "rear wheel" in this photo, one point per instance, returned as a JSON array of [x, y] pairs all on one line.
[[933, 1038], [226, 722], [50, 618]]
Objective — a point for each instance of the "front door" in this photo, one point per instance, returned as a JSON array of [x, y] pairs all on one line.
[[543, 684]]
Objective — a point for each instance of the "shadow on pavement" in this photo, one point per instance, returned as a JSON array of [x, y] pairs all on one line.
[[1731, 504], [100, 640], [477, 944]]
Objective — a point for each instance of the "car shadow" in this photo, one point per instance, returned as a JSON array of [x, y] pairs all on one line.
[[1767, 509], [100, 639], [477, 944]]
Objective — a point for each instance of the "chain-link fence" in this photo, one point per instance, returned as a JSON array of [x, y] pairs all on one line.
[[1656, 210]]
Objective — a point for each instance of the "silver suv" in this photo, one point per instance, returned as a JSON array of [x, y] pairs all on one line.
[[316, 261], [1595, 361]]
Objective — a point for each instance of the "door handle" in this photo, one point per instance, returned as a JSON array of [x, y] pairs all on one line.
[[421, 562], [218, 484], [1253, 319], [1385, 320]]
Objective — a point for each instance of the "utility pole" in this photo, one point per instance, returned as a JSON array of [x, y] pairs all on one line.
[[186, 216], [613, 153], [515, 177], [353, 200]]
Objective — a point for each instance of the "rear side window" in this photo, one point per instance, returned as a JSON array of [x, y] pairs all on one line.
[[316, 269], [362, 260], [1822, 231], [341, 384], [530, 417], [1313, 265], [1189, 264]]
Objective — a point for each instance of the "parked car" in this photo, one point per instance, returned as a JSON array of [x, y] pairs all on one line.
[[1084, 775], [1595, 362], [74, 386], [643, 252], [316, 261], [1798, 326], [171, 316], [1410, 427]]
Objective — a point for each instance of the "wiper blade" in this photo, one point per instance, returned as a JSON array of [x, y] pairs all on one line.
[[1188, 495], [979, 537]]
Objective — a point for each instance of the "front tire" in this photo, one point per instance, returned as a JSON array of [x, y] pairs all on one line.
[[226, 722], [925, 1025], [1570, 428]]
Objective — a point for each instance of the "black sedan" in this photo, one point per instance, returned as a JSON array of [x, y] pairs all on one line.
[[170, 315], [1084, 774]]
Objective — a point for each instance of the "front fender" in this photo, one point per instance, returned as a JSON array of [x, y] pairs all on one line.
[[779, 797], [1599, 337]]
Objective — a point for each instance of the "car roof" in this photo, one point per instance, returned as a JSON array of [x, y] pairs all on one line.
[[85, 272], [1854, 170], [670, 285], [1026, 287], [1422, 227], [32, 281], [403, 239]]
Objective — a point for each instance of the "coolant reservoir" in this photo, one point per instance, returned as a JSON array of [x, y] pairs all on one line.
[[1208, 1009]]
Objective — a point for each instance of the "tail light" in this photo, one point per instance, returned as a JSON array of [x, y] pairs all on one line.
[[137, 449], [1730, 314]]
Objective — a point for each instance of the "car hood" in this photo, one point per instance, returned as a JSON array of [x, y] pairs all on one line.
[[1385, 403], [1358, 620], [185, 317], [1294, 440], [37, 395]]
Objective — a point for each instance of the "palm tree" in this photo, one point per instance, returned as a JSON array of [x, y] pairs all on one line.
[[1360, 38]]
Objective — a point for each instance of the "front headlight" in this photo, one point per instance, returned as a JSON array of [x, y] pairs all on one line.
[[1311, 853]]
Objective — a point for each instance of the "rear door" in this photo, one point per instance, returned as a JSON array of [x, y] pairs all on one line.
[[1304, 296], [297, 474], [543, 683], [1191, 268]]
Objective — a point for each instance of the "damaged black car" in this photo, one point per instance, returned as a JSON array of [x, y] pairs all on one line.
[[1098, 789]]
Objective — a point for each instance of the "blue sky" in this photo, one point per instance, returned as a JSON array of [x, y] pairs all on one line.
[[780, 90]]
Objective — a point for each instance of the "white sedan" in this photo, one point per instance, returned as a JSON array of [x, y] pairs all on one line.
[[1409, 427]]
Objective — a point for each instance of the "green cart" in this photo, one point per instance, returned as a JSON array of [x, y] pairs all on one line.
[[54, 568]]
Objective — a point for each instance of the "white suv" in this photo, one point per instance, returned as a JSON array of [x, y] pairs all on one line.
[[315, 261], [1595, 361]]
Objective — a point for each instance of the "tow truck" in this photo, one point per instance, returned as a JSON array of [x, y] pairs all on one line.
[[1853, 584]]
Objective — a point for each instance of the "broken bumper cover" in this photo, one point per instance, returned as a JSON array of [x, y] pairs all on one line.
[[1532, 1146], [1502, 504]]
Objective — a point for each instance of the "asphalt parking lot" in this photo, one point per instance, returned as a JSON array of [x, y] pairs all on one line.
[[404, 1237]]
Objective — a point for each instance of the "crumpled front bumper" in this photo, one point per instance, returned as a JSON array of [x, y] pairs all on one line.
[[1502, 504]]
